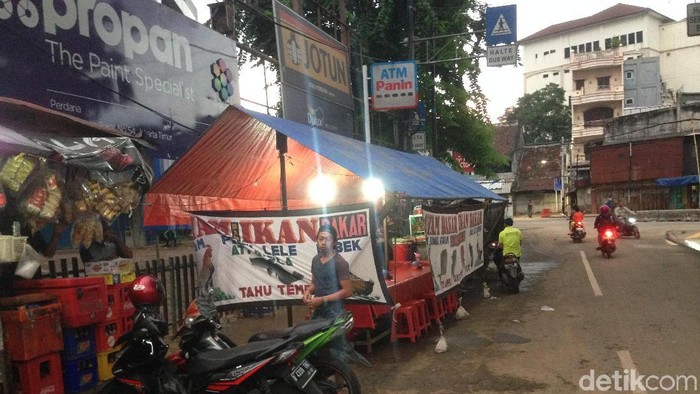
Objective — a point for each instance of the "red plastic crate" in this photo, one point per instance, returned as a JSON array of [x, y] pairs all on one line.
[[128, 308], [115, 301], [38, 375], [128, 322], [107, 333], [84, 299], [30, 328]]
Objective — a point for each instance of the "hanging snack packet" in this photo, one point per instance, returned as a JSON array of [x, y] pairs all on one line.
[[16, 170], [85, 230]]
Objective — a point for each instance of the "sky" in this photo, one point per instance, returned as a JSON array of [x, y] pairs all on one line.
[[502, 85]]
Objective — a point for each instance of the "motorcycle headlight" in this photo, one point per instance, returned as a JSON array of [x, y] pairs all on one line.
[[632, 220]]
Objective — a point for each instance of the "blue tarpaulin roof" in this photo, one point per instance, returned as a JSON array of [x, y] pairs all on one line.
[[401, 172], [678, 181], [235, 165]]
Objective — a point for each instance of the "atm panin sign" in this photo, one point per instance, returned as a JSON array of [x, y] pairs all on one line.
[[394, 85]]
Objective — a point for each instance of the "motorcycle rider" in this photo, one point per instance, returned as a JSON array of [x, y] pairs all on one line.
[[510, 240], [576, 216], [621, 213], [602, 222]]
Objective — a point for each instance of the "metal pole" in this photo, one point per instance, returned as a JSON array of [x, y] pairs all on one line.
[[365, 106], [281, 142], [697, 163]]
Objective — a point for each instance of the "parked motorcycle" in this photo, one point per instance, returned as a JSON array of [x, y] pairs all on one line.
[[606, 242], [271, 366], [509, 270], [578, 233], [627, 227], [201, 333]]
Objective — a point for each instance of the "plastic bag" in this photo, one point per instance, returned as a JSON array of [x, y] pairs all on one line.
[[29, 262]]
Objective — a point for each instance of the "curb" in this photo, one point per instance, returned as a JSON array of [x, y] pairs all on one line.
[[684, 238]]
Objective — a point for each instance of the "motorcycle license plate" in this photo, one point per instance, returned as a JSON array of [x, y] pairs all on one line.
[[303, 373]]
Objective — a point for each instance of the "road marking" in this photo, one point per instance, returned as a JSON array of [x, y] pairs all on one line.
[[591, 277], [627, 363]]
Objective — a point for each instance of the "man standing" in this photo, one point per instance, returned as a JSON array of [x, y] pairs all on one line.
[[330, 283], [112, 247], [529, 208]]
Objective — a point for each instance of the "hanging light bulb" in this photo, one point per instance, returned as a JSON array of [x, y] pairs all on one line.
[[322, 190]]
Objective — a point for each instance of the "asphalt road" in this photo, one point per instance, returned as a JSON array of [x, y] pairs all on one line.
[[581, 322]]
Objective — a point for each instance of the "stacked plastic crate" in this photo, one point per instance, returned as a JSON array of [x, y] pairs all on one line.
[[118, 321], [84, 310], [32, 339]]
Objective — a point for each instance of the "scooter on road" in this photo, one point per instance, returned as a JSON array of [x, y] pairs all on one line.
[[509, 270]]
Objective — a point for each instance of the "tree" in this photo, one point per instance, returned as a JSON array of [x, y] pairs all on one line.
[[543, 115], [448, 67]]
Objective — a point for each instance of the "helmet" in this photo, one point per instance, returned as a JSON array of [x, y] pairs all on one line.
[[147, 290], [604, 210]]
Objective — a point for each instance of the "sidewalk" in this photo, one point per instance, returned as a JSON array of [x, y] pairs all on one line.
[[690, 239]]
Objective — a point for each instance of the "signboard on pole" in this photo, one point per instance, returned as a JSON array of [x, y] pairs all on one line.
[[693, 19], [502, 55], [501, 25], [394, 85], [418, 141], [315, 73]]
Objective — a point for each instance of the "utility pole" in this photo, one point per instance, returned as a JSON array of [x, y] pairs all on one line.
[[404, 137]]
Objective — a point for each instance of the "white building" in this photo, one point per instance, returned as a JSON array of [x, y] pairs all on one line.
[[622, 60]]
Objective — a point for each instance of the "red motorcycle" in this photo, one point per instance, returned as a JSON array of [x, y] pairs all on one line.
[[606, 241]]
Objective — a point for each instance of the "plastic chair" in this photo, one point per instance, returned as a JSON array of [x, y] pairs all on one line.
[[421, 317], [403, 324], [365, 322], [436, 309], [451, 302]]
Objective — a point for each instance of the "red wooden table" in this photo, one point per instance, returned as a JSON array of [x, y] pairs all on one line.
[[408, 282]]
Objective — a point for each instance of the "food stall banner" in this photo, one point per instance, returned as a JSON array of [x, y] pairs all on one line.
[[455, 245], [266, 256]]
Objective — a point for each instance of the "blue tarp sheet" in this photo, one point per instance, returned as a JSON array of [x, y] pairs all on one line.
[[401, 172], [235, 166], [677, 181]]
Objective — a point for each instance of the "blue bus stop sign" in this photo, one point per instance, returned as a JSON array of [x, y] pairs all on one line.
[[501, 25]]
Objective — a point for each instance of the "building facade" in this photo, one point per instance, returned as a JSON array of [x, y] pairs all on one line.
[[622, 61]]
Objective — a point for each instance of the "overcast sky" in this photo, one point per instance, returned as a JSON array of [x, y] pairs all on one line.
[[502, 85]]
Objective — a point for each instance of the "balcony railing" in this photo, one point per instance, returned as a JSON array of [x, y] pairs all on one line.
[[579, 131], [598, 94], [599, 59]]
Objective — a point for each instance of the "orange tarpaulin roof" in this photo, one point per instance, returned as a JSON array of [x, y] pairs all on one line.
[[236, 166]]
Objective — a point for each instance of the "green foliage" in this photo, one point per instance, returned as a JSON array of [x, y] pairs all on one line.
[[543, 115], [448, 67]]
